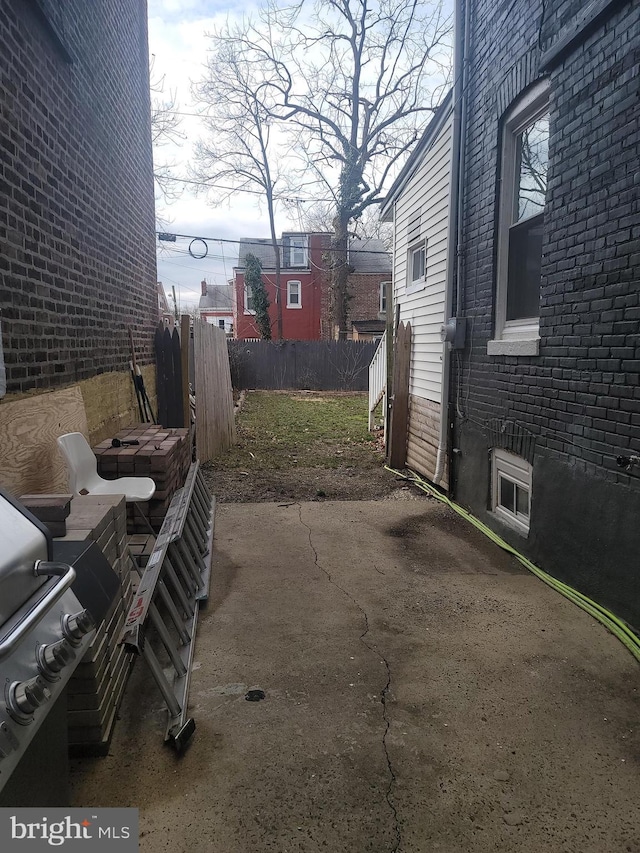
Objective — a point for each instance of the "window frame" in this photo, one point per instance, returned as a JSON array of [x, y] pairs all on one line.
[[293, 304], [247, 297], [520, 336], [382, 301], [518, 471], [303, 248], [414, 284]]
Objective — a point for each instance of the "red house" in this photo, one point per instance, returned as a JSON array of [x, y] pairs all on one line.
[[305, 285]]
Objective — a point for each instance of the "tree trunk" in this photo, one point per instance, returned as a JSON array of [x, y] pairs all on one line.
[[340, 274], [276, 251]]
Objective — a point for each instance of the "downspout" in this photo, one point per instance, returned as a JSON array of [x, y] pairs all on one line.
[[454, 253]]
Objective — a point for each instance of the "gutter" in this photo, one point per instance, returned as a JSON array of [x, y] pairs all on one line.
[[451, 329]]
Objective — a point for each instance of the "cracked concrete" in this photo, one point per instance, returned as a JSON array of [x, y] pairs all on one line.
[[383, 693], [423, 693]]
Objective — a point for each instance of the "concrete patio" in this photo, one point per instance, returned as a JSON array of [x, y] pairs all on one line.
[[423, 693]]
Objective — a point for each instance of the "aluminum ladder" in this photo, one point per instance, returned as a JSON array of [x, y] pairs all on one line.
[[174, 584]]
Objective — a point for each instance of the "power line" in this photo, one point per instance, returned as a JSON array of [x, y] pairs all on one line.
[[261, 242], [292, 199]]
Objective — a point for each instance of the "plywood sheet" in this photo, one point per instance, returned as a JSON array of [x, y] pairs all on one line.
[[29, 459]]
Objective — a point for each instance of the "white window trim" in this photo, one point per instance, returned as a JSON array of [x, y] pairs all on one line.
[[416, 284], [518, 471], [304, 248], [246, 302], [382, 295], [294, 304], [522, 336]]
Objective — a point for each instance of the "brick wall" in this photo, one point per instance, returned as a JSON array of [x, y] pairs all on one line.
[[580, 397], [365, 290], [77, 257]]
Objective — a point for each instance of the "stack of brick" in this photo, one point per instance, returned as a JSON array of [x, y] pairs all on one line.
[[97, 685], [51, 510], [162, 454]]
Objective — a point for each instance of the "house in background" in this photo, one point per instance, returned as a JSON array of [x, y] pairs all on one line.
[[536, 292], [418, 205], [305, 285], [165, 314], [216, 305], [370, 263]]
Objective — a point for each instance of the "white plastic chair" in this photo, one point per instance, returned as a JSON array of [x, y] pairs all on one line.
[[84, 479]]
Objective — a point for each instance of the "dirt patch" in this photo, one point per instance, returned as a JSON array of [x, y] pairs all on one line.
[[307, 484], [290, 451]]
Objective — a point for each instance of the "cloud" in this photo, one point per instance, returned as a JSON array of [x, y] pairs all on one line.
[[178, 44]]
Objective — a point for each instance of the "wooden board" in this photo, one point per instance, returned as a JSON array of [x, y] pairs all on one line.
[[185, 335], [30, 462], [215, 424]]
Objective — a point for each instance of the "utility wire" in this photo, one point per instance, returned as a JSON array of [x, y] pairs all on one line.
[[263, 242], [289, 198]]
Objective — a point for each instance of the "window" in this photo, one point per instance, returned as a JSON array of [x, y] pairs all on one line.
[[383, 297], [294, 294], [511, 489], [297, 255], [248, 300], [221, 324], [417, 265], [525, 147]]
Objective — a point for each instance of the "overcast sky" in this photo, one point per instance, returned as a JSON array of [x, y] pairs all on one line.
[[178, 46]]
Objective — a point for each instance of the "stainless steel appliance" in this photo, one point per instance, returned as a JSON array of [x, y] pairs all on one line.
[[44, 631]]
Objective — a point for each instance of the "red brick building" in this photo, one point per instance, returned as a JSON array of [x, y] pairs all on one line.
[[305, 286]]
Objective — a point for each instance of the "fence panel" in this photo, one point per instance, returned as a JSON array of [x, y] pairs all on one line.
[[301, 365], [215, 425]]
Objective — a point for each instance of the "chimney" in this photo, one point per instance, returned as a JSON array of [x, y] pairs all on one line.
[[203, 284]]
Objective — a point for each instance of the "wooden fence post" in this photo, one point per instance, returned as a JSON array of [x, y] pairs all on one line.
[[400, 391], [185, 334]]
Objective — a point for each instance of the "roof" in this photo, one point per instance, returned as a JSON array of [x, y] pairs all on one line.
[[219, 297], [262, 248], [367, 256], [371, 326], [433, 129]]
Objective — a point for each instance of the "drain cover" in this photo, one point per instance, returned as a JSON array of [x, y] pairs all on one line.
[[254, 695]]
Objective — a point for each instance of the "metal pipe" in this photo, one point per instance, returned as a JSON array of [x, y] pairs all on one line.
[[454, 249]]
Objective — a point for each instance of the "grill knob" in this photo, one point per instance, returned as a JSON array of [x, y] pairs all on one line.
[[76, 625], [26, 696], [54, 657]]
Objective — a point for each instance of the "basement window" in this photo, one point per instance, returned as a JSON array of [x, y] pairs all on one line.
[[511, 489]]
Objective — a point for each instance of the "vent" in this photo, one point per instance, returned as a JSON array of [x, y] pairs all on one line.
[[413, 229]]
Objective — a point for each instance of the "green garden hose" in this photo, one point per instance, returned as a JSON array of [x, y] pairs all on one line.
[[615, 625]]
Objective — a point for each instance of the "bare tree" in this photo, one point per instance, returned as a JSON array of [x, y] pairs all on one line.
[[243, 149], [355, 82], [320, 216], [165, 130]]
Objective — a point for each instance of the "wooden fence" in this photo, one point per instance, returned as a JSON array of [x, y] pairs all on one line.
[[173, 400], [301, 365], [215, 425]]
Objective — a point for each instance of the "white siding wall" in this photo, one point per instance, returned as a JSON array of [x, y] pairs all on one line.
[[427, 192]]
